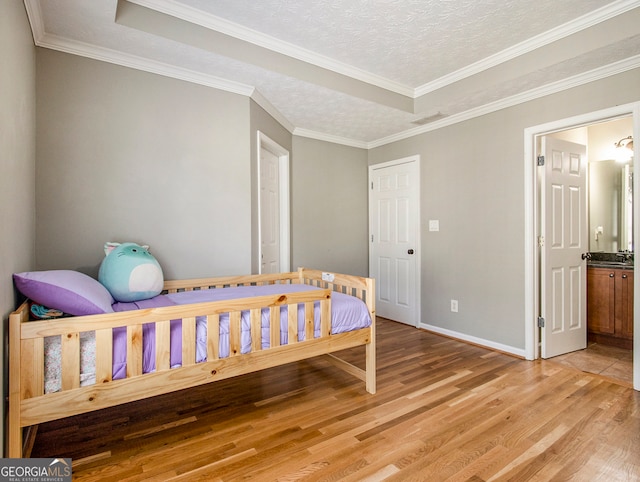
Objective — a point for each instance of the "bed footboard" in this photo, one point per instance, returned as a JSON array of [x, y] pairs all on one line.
[[364, 289]]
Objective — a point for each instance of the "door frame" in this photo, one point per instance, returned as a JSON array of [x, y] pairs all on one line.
[[531, 205], [264, 142], [417, 321]]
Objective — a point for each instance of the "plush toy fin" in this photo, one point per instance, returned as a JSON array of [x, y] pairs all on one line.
[[108, 247]]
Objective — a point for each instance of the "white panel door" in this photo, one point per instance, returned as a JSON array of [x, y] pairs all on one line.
[[394, 222], [269, 212], [564, 232]]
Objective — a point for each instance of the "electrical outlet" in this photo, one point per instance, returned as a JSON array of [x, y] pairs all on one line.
[[454, 306]]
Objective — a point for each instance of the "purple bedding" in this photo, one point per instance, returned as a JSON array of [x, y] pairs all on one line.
[[347, 313]]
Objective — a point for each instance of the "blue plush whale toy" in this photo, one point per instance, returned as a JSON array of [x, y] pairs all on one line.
[[130, 272]]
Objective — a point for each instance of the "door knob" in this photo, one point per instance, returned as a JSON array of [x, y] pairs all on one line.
[[410, 251], [586, 255]]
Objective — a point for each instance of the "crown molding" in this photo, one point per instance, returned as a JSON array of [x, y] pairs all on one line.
[[34, 14], [212, 22], [42, 39], [271, 110], [589, 20], [552, 88], [54, 42], [140, 63], [320, 136]]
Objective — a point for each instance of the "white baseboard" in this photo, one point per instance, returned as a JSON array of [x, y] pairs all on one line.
[[519, 352]]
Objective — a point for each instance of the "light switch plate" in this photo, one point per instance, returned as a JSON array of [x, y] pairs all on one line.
[[434, 225]]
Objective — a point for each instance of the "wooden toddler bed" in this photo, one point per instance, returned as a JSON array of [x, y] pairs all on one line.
[[30, 404]]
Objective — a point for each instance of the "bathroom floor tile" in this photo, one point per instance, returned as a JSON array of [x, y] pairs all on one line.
[[609, 361]]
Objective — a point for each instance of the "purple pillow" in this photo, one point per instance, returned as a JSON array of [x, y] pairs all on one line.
[[69, 291]]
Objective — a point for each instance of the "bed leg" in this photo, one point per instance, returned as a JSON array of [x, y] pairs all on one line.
[[14, 438], [14, 445], [14, 428], [370, 349], [29, 440], [370, 353]]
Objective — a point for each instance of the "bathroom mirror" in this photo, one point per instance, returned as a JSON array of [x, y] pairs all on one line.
[[610, 206]]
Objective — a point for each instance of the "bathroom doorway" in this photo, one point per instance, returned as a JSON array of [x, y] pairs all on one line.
[[593, 121], [610, 241]]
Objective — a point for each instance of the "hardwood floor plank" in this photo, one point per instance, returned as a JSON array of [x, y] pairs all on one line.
[[444, 410]]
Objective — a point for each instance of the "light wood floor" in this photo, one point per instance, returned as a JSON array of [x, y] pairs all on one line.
[[444, 410]]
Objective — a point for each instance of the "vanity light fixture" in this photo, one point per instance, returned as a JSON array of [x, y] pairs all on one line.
[[624, 149]]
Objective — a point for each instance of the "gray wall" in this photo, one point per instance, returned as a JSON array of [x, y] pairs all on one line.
[[123, 155], [472, 177], [17, 159], [329, 207]]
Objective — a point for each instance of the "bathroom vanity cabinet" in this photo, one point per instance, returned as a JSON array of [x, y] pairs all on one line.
[[610, 306]]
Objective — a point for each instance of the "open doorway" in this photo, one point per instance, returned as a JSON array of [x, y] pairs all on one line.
[[532, 206], [607, 346]]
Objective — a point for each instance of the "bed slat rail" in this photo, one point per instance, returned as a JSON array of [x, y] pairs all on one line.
[[175, 286], [33, 333], [362, 288], [94, 397], [163, 345], [188, 341], [213, 338], [29, 405], [347, 284], [32, 376]]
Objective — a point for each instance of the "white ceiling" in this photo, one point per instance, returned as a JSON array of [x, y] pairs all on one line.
[[358, 72]]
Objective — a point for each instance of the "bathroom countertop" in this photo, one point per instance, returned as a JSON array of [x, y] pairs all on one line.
[[621, 260], [609, 265]]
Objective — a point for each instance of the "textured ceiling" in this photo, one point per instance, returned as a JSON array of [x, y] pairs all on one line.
[[356, 71], [408, 41]]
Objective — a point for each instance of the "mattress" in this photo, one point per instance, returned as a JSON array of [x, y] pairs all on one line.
[[347, 313]]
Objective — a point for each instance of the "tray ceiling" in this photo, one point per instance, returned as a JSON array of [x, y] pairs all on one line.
[[361, 73]]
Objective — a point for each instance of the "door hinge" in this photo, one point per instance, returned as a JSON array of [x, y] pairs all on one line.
[[540, 322], [540, 160], [372, 238], [372, 185], [540, 241]]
